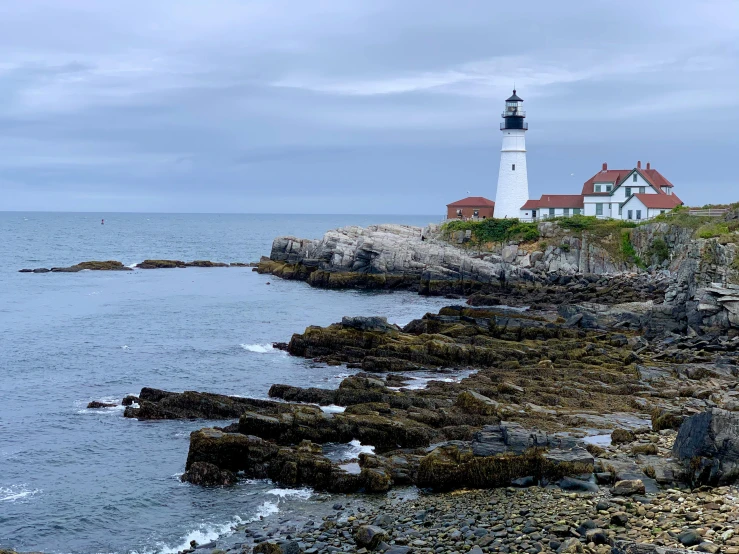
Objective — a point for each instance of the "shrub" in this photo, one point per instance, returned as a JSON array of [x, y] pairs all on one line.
[[660, 250], [713, 230], [564, 247], [494, 230], [628, 251]]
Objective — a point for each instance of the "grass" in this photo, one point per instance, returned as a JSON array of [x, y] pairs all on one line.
[[494, 230], [713, 230]]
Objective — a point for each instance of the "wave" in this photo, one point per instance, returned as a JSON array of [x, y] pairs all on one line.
[[209, 532], [302, 494], [16, 492], [259, 348]]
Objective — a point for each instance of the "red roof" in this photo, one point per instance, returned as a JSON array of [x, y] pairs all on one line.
[[616, 177], [655, 177], [658, 201], [555, 201], [472, 202], [612, 176]]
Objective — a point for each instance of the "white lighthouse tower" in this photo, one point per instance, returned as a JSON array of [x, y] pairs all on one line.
[[513, 181]]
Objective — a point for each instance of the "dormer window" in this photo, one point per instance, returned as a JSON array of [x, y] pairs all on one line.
[[597, 188], [609, 188]]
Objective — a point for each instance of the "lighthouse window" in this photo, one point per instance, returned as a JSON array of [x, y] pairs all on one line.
[[513, 167]]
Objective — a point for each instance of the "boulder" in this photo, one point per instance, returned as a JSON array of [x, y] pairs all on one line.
[[207, 474], [475, 403], [96, 405], [629, 487], [708, 444], [370, 536]]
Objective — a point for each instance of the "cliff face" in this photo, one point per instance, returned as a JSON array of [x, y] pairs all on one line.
[[702, 274]]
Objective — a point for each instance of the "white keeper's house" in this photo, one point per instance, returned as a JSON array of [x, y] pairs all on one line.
[[629, 194]]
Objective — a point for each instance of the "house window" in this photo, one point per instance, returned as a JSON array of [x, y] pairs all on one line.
[[459, 213], [634, 178], [662, 211], [513, 167], [630, 214], [576, 211], [475, 213], [609, 188], [628, 192], [599, 209], [638, 214], [597, 188], [642, 190], [566, 212], [620, 209], [551, 212]]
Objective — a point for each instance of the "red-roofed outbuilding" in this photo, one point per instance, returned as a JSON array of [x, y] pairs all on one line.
[[472, 207]]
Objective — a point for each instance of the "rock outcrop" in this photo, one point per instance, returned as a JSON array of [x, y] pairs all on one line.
[[708, 443]]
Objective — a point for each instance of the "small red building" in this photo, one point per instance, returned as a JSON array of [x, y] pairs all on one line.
[[472, 207]]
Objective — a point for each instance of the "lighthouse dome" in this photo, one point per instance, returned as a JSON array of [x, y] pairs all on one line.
[[514, 97]]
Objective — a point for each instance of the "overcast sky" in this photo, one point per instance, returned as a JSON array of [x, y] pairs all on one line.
[[348, 106]]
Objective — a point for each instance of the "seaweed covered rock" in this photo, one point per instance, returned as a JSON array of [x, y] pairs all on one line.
[[159, 404], [296, 423], [160, 264], [207, 474]]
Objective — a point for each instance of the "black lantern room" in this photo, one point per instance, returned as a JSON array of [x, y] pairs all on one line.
[[514, 114]]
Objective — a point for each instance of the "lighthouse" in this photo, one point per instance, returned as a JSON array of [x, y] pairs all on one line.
[[513, 181]]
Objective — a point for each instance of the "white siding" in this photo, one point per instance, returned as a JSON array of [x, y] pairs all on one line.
[[634, 205]]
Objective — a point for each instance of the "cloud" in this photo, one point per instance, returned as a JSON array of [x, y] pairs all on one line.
[[238, 100]]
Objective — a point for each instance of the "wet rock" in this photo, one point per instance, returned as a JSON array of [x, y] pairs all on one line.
[[370, 536], [96, 405], [207, 474], [158, 404], [161, 264]]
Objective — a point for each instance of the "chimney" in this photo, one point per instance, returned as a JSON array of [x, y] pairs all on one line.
[[605, 166], [638, 164], [649, 166]]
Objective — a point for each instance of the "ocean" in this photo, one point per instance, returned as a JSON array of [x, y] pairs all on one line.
[[89, 481]]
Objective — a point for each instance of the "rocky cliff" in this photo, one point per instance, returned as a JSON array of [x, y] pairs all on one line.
[[691, 284]]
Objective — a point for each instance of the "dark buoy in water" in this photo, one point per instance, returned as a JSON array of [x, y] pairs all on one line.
[[268, 282], [102, 222]]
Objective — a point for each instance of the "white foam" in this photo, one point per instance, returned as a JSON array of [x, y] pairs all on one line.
[[259, 348], [208, 532], [333, 409], [124, 347], [16, 492], [132, 266], [303, 494], [357, 448]]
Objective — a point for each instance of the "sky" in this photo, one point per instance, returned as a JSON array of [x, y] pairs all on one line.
[[349, 106]]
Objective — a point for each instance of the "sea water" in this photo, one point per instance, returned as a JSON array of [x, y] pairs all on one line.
[[79, 480]]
